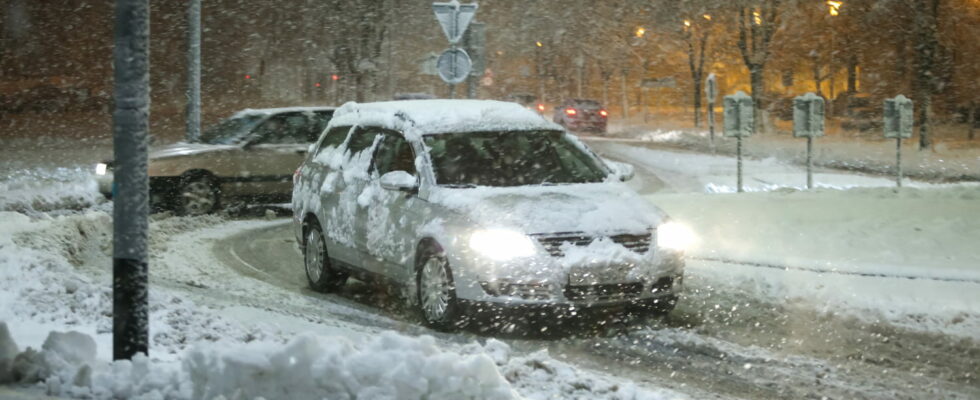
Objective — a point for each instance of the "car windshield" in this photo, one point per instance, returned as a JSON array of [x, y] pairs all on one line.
[[510, 158], [231, 130]]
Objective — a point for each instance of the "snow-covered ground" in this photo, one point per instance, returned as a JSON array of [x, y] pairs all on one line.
[[853, 290], [55, 277], [950, 160], [856, 244]]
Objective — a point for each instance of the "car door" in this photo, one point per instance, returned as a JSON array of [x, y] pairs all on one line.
[[386, 216], [322, 182], [275, 149], [344, 190]]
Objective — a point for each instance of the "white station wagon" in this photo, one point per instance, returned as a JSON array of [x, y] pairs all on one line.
[[478, 205]]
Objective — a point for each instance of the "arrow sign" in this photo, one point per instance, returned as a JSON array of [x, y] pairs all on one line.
[[454, 18]]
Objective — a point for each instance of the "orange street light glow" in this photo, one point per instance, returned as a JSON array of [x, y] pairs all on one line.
[[640, 31]]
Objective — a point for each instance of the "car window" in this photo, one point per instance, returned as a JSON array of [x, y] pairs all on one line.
[[394, 154], [289, 128], [334, 137], [361, 139], [510, 158]]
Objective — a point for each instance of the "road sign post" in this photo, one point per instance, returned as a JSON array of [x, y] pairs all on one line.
[[898, 125], [808, 122], [131, 72], [454, 64], [711, 92], [739, 123]]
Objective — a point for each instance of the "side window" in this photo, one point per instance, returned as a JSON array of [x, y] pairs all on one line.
[[335, 136], [361, 139], [394, 154], [284, 129]]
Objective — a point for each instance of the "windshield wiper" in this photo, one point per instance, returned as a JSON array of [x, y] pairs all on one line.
[[459, 185]]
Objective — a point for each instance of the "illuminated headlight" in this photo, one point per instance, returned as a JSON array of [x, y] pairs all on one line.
[[675, 236], [101, 168], [501, 244]]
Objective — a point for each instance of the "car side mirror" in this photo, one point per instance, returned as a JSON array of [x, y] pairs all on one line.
[[400, 181], [621, 171]]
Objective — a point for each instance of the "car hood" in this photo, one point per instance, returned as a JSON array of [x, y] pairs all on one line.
[[187, 149], [609, 207]]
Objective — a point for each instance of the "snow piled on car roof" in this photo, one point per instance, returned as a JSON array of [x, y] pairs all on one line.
[[422, 117]]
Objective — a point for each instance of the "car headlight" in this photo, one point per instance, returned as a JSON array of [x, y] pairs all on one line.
[[501, 244], [675, 236], [101, 168]]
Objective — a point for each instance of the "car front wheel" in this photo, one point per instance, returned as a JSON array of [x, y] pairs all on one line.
[[437, 293], [319, 274], [197, 195]]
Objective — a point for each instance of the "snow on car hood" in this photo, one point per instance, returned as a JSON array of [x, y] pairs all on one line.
[[186, 149], [609, 207]]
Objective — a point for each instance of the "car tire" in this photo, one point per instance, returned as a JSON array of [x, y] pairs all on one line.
[[197, 195], [319, 273], [436, 293]]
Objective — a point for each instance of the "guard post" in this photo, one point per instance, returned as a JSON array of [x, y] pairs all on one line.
[[808, 122], [739, 123], [898, 125]]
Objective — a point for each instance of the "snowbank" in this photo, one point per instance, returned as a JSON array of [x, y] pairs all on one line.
[[44, 190], [908, 257], [54, 278]]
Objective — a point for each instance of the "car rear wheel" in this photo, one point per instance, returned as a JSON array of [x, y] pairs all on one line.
[[437, 293], [197, 195], [319, 274]]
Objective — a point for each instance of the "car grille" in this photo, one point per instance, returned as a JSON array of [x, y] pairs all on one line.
[[617, 291], [553, 242], [527, 291]]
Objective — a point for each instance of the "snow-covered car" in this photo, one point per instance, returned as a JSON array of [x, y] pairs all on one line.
[[250, 155], [478, 205]]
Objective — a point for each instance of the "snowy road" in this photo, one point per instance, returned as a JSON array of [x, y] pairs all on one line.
[[781, 318], [722, 341]]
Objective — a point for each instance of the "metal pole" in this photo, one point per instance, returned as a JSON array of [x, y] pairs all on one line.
[[711, 125], [898, 162], [130, 329], [738, 152], [194, 70], [626, 104], [809, 162]]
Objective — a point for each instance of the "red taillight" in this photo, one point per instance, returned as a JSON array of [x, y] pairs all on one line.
[[570, 111], [603, 113], [541, 107]]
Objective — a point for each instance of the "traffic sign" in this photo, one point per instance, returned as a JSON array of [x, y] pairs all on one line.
[[454, 66], [454, 18], [808, 115], [739, 120], [898, 118]]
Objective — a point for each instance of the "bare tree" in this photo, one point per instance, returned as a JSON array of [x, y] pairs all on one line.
[[756, 23]]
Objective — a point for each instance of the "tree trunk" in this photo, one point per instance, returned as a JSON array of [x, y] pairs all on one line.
[[971, 120], [755, 76], [697, 100], [924, 123]]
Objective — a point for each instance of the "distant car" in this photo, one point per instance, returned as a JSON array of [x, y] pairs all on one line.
[[580, 115], [250, 155], [479, 206]]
